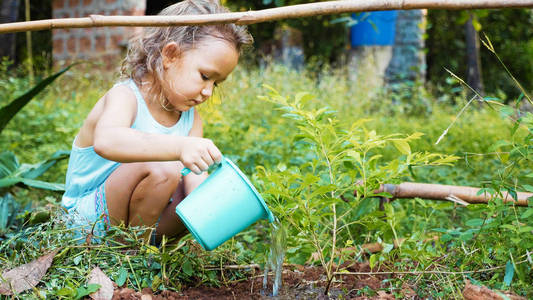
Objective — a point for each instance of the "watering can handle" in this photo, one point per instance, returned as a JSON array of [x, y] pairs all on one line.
[[185, 171]]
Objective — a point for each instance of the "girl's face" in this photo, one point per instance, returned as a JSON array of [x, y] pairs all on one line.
[[190, 76]]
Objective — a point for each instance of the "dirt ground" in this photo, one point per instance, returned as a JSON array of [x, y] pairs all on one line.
[[305, 282], [299, 282]]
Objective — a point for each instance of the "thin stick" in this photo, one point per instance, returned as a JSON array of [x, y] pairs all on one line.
[[407, 190], [233, 267], [425, 272], [258, 16], [454, 120]]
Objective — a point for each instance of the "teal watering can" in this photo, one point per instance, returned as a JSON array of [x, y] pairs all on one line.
[[222, 206]]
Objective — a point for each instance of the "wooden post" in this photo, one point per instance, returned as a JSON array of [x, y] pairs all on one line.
[[28, 42], [271, 14]]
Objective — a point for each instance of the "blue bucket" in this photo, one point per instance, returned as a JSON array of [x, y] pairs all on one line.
[[374, 28], [222, 206]]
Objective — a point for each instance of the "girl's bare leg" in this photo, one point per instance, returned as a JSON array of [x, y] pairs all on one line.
[[137, 193], [170, 224]]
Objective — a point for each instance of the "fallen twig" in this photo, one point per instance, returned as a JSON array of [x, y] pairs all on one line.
[[458, 194], [426, 272], [235, 267]]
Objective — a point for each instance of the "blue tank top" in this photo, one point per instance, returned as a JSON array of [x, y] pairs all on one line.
[[87, 170]]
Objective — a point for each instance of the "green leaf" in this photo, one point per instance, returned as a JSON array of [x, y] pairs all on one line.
[[66, 291], [506, 111], [38, 217], [86, 291], [415, 136], [509, 273], [36, 170], [372, 261], [77, 260], [446, 238], [8, 211], [9, 111], [43, 184], [402, 146], [156, 282], [507, 226], [8, 181], [8, 163], [476, 24], [528, 213], [93, 287], [303, 97], [528, 187], [474, 222], [122, 276], [322, 190], [499, 144], [525, 229], [187, 268], [466, 236], [11, 172]]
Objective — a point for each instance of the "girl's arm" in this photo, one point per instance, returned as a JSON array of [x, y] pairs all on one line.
[[115, 140], [192, 180]]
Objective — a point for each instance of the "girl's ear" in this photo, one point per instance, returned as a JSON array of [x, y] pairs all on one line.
[[170, 53]]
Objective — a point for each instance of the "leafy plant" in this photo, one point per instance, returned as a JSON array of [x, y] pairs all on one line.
[[8, 209], [316, 197], [12, 172], [10, 110]]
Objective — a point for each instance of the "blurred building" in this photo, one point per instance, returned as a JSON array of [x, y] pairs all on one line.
[[387, 46], [104, 44]]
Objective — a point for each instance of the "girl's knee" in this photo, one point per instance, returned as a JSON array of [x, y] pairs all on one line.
[[163, 173], [152, 194]]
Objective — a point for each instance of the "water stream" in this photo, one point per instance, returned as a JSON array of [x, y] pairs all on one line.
[[276, 255]]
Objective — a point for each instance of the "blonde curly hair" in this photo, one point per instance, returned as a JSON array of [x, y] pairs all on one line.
[[144, 51]]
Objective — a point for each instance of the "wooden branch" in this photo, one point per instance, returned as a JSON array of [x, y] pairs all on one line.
[[447, 192], [271, 14]]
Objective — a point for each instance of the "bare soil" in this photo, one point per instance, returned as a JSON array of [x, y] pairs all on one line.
[[307, 282], [299, 282]]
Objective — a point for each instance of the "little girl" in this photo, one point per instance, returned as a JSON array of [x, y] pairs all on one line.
[[126, 159]]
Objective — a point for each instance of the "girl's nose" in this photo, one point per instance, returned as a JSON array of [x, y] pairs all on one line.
[[207, 91]]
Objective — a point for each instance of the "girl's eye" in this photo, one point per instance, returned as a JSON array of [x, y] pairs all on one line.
[[205, 78]]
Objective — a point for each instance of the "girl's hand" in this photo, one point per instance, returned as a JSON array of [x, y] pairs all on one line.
[[198, 154]]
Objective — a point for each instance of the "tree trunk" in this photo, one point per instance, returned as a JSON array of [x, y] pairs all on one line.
[[8, 13], [473, 65]]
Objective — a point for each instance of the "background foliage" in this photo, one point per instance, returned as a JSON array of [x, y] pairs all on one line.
[[507, 28]]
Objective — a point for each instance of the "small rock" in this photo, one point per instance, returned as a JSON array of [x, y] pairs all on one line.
[[147, 291]]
